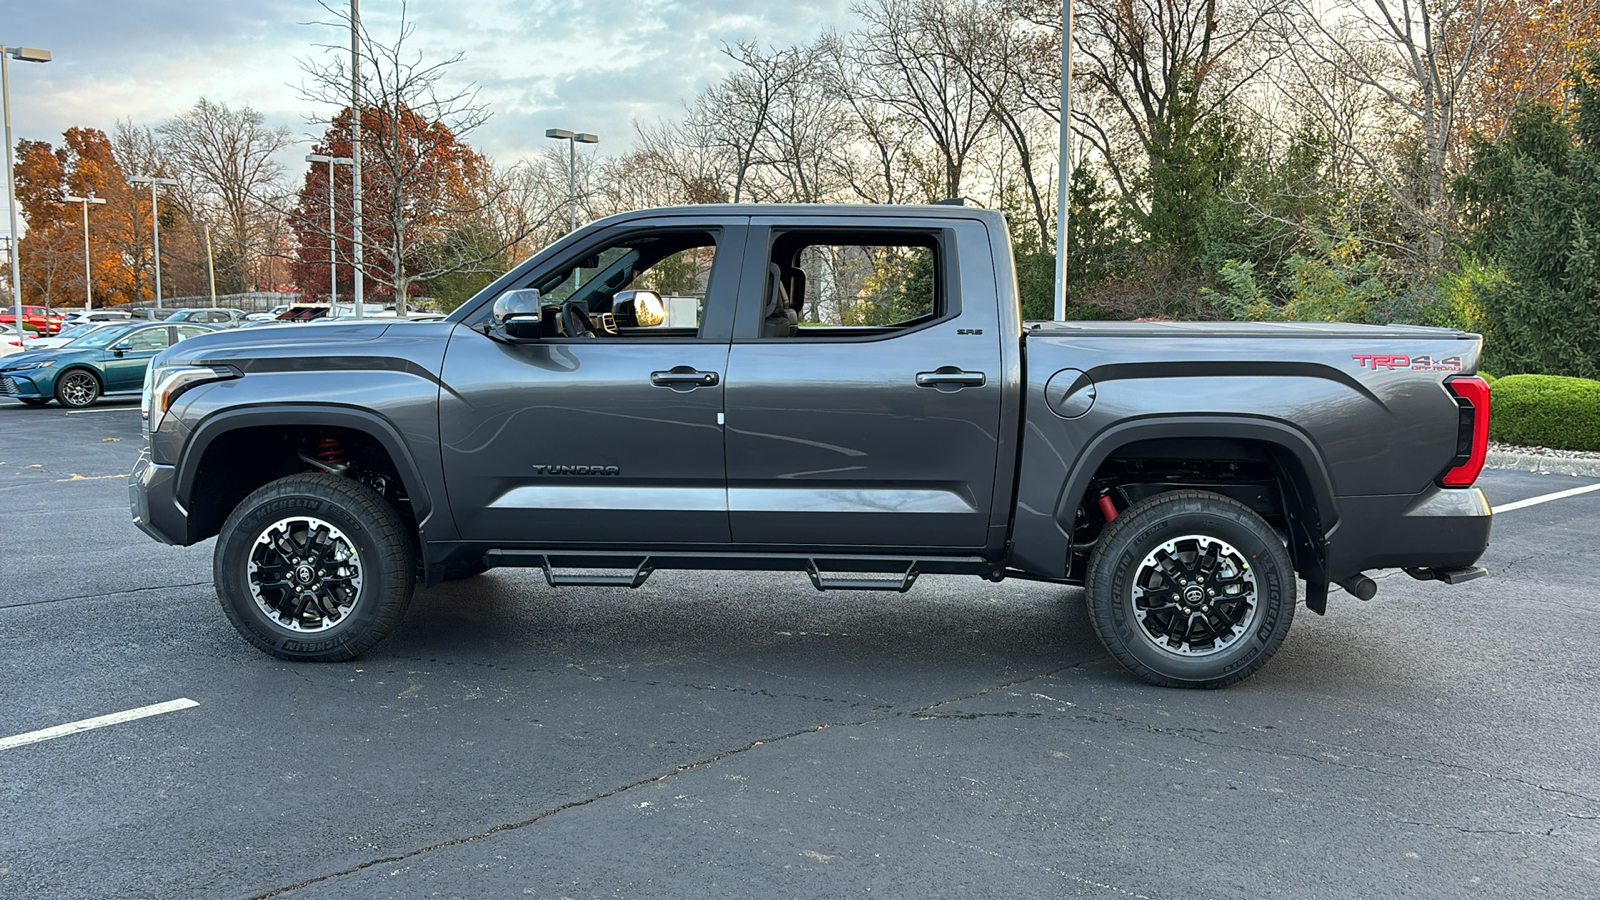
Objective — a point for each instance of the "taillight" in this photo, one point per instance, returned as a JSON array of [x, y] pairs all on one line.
[[1472, 430]]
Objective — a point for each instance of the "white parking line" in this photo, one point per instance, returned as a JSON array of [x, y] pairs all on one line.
[[45, 734], [1546, 498], [82, 412]]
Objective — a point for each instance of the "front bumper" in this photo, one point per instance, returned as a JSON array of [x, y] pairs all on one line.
[[153, 501], [1440, 528], [16, 384]]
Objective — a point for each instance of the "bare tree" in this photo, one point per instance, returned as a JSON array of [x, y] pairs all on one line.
[[1151, 66], [226, 158], [1424, 59], [422, 185], [903, 69]]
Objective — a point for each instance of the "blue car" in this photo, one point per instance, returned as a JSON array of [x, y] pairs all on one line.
[[105, 362]]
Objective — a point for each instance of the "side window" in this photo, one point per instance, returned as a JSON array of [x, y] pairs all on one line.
[[149, 339], [853, 284], [189, 331], [649, 284]]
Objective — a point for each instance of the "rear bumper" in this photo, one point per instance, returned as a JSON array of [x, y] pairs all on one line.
[[1440, 528], [154, 504]]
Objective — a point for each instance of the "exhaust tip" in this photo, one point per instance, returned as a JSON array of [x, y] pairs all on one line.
[[1359, 586]]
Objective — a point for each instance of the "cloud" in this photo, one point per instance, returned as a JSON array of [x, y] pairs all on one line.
[[582, 64]]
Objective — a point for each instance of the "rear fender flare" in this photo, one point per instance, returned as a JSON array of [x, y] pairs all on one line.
[[1269, 431]]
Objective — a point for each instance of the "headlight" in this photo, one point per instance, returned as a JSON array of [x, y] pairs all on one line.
[[36, 364], [163, 385]]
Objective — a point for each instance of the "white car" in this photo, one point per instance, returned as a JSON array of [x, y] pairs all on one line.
[[9, 341], [268, 316], [99, 316], [68, 333]]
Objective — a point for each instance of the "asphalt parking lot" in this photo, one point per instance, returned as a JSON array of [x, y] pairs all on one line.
[[734, 734]]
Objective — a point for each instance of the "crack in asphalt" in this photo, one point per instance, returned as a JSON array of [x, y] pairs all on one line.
[[1547, 833], [917, 712], [158, 587]]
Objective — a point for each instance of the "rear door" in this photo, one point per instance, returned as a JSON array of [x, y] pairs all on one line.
[[610, 439], [872, 424]]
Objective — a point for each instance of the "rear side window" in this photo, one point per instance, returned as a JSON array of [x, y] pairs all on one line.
[[856, 283]]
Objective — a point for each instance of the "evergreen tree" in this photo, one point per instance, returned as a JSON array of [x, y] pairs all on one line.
[[1535, 201]]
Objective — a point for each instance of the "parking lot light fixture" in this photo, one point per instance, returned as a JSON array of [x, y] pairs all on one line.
[[333, 229], [155, 220], [88, 286], [24, 54], [573, 139]]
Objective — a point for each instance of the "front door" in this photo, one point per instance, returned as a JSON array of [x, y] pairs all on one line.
[[871, 423], [608, 437], [125, 368]]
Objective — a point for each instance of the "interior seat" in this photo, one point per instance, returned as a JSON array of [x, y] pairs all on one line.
[[781, 319]]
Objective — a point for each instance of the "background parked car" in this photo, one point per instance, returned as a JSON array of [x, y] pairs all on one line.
[[269, 315], [67, 335], [95, 315], [11, 341], [41, 319], [219, 316], [107, 361]]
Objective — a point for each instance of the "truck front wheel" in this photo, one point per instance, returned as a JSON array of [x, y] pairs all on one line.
[[314, 567], [1191, 589]]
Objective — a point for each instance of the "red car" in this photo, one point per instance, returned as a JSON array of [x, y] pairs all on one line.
[[40, 318]]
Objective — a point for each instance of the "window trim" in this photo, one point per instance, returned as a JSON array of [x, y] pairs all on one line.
[[752, 304], [722, 289]]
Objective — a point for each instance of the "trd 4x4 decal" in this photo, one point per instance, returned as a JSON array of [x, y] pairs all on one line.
[[1414, 363]]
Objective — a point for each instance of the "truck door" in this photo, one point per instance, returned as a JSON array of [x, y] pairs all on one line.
[[863, 399], [610, 434]]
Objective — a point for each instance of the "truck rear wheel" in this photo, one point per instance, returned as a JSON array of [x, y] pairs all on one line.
[[1191, 589], [314, 567]]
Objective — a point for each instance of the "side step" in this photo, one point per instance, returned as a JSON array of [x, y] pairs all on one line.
[[640, 575], [823, 581]]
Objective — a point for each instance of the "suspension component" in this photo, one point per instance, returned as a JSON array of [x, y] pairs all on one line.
[[330, 450], [1107, 508]]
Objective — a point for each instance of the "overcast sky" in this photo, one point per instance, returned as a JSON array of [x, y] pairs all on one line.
[[584, 65]]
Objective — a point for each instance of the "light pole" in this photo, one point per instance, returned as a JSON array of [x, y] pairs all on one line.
[[211, 269], [25, 54], [356, 282], [155, 220], [88, 288], [573, 139], [1065, 172], [333, 229]]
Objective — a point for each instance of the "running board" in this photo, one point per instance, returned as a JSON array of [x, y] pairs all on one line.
[[1448, 576], [825, 582], [641, 573], [827, 572]]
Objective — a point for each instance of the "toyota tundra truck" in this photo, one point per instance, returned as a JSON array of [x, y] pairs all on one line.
[[845, 392]]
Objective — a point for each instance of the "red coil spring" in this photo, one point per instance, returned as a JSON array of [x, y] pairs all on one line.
[[331, 452]]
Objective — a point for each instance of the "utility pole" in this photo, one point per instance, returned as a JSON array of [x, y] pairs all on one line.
[[155, 221], [1064, 174], [333, 227], [26, 54], [88, 287], [355, 147]]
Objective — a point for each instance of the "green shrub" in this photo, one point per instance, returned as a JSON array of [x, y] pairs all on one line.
[[1487, 378], [1546, 411]]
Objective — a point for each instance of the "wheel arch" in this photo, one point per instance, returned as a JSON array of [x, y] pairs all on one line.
[[205, 490], [1308, 498]]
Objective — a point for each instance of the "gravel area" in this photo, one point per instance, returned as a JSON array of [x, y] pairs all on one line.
[[1545, 460]]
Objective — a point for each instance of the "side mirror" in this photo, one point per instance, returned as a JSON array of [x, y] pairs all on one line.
[[122, 348], [638, 309], [517, 316]]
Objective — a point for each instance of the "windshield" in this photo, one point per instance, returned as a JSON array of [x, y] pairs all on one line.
[[101, 337], [78, 331]]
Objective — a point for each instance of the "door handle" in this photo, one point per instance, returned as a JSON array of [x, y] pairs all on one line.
[[951, 378], [683, 378]]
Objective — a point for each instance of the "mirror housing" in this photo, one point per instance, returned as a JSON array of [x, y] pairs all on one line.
[[639, 309], [121, 348], [517, 316]]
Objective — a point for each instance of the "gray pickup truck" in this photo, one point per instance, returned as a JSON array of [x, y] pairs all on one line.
[[848, 392]]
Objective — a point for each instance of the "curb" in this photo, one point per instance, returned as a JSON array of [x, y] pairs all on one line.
[[1544, 465]]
